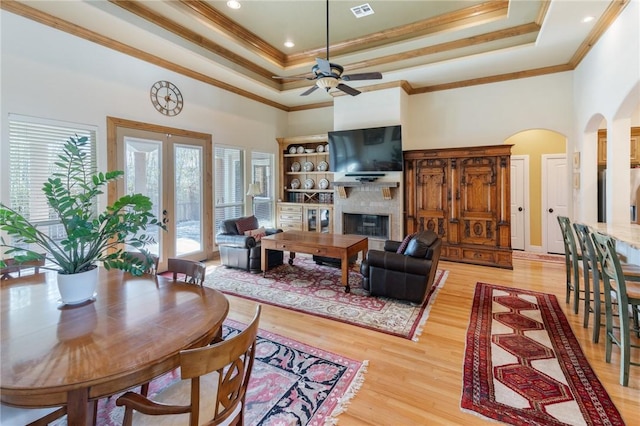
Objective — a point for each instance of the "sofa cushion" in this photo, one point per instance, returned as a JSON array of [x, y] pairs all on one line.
[[257, 234], [416, 248], [405, 243], [246, 223]]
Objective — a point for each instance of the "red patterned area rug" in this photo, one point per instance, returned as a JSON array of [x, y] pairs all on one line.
[[316, 290], [524, 366], [291, 384]]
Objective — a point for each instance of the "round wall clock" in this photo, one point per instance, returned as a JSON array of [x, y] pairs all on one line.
[[166, 98]]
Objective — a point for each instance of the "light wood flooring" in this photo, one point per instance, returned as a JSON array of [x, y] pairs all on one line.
[[419, 383]]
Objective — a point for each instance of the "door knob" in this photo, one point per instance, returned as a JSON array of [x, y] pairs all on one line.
[[550, 210], [520, 209]]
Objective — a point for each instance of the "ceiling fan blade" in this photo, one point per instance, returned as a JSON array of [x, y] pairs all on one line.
[[284, 77], [348, 90], [309, 91], [324, 66], [362, 76]]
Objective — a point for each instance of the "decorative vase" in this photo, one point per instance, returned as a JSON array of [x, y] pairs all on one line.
[[78, 288]]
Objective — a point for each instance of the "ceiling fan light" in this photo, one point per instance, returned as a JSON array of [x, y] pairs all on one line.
[[327, 83]]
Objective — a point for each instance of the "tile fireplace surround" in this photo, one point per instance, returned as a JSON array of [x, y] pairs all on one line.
[[369, 199]]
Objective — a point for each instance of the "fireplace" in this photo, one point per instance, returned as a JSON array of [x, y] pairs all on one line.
[[378, 206], [367, 225]]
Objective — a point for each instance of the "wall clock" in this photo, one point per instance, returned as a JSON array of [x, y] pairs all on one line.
[[166, 98]]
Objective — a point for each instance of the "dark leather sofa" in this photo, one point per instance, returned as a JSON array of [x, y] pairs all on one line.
[[407, 276], [242, 251]]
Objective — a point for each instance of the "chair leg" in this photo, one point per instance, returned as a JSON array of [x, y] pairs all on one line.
[[576, 289], [587, 298], [597, 309], [608, 322], [625, 344], [568, 278]]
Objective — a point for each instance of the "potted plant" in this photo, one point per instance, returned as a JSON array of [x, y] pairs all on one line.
[[72, 194]]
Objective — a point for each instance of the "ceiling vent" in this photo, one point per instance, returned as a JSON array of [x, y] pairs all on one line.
[[362, 10]]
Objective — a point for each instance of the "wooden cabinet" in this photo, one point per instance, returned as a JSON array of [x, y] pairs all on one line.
[[306, 188], [634, 147], [462, 194], [305, 217]]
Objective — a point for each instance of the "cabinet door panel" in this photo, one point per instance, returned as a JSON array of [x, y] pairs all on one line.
[[432, 196], [478, 201]]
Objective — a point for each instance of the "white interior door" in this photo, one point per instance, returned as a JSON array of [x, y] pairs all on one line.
[[555, 200], [519, 201]]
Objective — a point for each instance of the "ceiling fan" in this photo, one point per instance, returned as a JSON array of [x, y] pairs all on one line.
[[328, 75]]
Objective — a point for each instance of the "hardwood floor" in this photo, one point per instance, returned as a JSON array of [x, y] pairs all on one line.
[[419, 383]]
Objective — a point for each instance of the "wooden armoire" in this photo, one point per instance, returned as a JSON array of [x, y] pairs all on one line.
[[462, 194]]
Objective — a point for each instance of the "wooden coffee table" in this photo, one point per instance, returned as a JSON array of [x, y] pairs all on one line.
[[328, 245]]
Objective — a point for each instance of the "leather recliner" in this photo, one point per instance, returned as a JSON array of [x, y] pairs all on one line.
[[243, 251], [405, 276]]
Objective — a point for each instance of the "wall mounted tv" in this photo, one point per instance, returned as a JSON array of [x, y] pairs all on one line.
[[377, 149]]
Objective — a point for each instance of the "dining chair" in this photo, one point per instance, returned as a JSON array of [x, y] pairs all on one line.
[[30, 416], [590, 275], [18, 268], [628, 297], [212, 390], [572, 264], [152, 267], [189, 271]]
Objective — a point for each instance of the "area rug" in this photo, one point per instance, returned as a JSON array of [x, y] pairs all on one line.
[[524, 366], [317, 290], [291, 384]]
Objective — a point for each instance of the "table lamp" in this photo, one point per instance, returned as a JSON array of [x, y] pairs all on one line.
[[254, 189]]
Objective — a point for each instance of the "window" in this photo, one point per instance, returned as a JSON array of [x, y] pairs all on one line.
[[34, 145], [262, 174], [229, 184]]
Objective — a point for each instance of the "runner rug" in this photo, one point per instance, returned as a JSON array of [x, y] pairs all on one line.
[[291, 384], [524, 366], [317, 290]]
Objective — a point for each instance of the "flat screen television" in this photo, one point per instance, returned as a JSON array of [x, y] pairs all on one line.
[[377, 149]]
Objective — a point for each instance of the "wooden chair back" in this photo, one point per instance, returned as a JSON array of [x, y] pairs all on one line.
[[150, 261], [190, 270], [18, 268], [231, 360]]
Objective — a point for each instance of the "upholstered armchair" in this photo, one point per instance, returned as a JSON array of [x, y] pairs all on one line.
[[403, 270], [239, 244]]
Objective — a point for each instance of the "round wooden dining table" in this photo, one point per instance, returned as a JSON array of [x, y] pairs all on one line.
[[133, 331]]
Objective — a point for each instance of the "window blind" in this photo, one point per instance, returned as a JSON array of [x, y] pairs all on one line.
[[34, 147]]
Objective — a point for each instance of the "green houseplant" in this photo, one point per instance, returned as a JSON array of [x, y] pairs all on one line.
[[71, 194]]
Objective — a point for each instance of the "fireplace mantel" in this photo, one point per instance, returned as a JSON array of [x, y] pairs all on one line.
[[385, 187]]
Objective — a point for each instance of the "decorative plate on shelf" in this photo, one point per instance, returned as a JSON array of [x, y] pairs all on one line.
[[309, 184], [292, 149], [295, 166], [308, 166], [320, 148], [323, 184], [295, 184], [301, 150], [326, 148], [323, 166]]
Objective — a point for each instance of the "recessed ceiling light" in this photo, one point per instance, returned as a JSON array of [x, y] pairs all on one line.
[[233, 4], [289, 44], [588, 19]]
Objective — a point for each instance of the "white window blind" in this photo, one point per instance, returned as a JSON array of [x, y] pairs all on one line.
[[229, 183], [34, 146]]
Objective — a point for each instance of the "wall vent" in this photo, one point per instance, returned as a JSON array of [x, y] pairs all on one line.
[[362, 10]]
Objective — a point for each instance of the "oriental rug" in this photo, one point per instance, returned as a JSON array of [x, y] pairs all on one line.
[[317, 290], [291, 384], [524, 366]]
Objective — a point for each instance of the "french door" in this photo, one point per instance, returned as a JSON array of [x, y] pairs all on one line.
[[173, 167]]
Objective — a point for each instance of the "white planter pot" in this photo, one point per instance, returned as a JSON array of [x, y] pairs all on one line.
[[77, 288]]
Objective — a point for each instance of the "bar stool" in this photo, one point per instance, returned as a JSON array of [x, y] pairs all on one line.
[[572, 258], [628, 296]]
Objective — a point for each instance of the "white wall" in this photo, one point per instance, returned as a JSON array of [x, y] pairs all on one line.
[[607, 83], [50, 74], [488, 114]]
